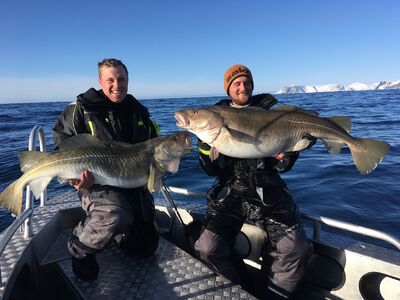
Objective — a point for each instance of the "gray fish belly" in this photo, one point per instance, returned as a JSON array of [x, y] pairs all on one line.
[[121, 168]]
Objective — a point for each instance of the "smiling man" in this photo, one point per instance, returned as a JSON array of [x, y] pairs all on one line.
[[252, 189], [123, 215], [238, 84], [113, 79]]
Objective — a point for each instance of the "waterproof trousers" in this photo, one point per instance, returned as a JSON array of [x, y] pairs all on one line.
[[284, 257], [131, 227]]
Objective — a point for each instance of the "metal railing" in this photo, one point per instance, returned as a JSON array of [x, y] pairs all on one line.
[[37, 130], [26, 216], [317, 221]]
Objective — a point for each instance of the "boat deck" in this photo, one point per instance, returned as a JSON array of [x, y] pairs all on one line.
[[40, 268], [169, 274], [41, 217]]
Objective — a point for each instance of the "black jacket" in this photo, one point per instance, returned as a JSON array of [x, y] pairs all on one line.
[[128, 121], [242, 176]]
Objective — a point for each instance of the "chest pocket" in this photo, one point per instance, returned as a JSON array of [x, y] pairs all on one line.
[[98, 125]]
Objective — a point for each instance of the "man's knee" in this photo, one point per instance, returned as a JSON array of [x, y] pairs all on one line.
[[288, 261], [211, 247], [301, 247], [78, 249]]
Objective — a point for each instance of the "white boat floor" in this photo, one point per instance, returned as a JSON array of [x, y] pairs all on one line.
[[170, 273]]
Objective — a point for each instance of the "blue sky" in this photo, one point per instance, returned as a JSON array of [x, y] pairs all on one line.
[[49, 49]]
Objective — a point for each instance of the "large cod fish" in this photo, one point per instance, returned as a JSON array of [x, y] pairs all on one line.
[[112, 163], [255, 133]]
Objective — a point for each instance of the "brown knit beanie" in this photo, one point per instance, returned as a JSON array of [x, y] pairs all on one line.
[[235, 72]]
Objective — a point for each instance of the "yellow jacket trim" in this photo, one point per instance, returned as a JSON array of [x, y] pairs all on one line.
[[205, 152], [91, 126], [157, 127]]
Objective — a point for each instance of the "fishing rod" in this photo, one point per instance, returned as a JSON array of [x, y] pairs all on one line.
[[188, 232], [167, 195]]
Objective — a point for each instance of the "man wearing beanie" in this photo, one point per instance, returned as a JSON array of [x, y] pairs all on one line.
[[252, 189]]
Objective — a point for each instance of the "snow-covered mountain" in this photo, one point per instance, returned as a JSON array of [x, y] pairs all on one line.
[[356, 86]]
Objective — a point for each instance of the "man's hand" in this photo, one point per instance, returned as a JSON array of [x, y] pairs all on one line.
[[280, 156], [86, 181]]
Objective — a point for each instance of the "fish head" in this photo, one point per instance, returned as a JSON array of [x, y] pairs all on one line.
[[170, 150], [204, 123], [180, 143]]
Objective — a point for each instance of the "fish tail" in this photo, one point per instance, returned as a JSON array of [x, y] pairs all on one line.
[[367, 154], [11, 198]]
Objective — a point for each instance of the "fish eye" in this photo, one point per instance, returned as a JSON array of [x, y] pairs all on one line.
[[195, 112]]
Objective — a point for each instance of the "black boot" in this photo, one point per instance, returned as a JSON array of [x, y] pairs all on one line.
[[85, 268]]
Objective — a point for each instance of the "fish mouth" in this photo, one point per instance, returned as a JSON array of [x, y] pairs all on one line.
[[181, 120]]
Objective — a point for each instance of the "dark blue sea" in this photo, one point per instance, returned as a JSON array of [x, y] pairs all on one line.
[[321, 183]]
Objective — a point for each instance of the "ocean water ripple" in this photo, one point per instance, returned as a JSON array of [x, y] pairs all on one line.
[[321, 183]]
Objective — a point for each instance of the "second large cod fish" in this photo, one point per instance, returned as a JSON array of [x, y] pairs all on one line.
[[112, 163], [253, 132]]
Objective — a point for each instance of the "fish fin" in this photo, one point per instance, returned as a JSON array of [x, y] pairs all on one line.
[[289, 108], [154, 181], [39, 185], [369, 154], [11, 198], [80, 140], [116, 144], [227, 133], [300, 145], [88, 140], [157, 184], [28, 158], [213, 153], [150, 181], [233, 136], [333, 146], [342, 121]]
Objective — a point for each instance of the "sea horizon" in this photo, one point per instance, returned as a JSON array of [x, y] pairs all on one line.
[[321, 183]]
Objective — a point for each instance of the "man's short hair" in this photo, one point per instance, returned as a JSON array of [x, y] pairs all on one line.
[[111, 62]]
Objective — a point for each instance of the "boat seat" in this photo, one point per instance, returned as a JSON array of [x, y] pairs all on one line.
[[325, 268]]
